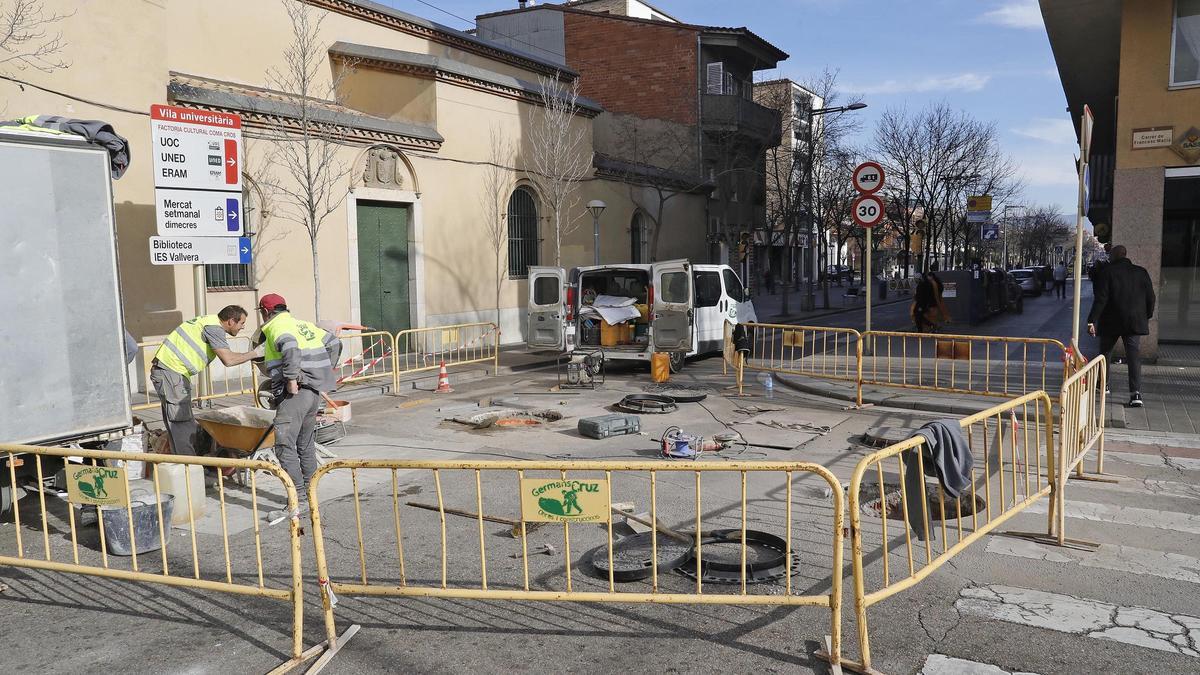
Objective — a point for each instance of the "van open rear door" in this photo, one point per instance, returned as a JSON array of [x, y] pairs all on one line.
[[673, 306], [547, 307]]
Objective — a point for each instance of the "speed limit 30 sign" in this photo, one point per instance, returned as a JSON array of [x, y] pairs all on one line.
[[868, 211], [868, 177]]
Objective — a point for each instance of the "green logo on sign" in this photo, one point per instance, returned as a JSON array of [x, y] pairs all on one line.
[[564, 500], [96, 485]]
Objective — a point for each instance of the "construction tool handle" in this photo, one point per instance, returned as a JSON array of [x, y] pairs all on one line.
[[661, 528], [465, 514]]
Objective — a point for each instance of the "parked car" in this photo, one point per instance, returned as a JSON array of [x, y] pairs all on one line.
[[839, 273], [1029, 281]]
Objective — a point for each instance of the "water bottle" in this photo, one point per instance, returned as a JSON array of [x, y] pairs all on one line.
[[769, 384]]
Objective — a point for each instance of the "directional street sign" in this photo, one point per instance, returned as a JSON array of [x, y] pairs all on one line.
[[195, 213], [979, 216], [990, 232], [196, 149], [868, 177], [868, 211], [200, 250]]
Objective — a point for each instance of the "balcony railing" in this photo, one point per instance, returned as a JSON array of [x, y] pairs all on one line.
[[736, 114]]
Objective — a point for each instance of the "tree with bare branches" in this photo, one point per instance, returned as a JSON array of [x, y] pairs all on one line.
[[560, 156], [656, 160], [492, 206], [309, 173], [26, 40], [934, 159]]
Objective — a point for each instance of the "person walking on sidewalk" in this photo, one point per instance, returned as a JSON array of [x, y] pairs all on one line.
[[184, 354], [1060, 279], [928, 309], [1122, 307], [298, 361]]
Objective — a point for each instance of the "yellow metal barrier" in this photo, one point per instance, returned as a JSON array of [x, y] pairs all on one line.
[[469, 490], [420, 349], [365, 357], [1084, 409], [815, 351], [963, 364], [103, 485], [217, 380], [1012, 445]]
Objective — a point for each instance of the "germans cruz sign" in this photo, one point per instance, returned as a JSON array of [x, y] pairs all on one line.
[[564, 500]]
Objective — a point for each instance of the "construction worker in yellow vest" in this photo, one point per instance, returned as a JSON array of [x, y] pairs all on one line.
[[185, 353], [298, 361]]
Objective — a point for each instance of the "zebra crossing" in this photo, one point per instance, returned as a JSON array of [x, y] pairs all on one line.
[[1146, 526]]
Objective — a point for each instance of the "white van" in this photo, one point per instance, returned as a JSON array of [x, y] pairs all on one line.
[[673, 306]]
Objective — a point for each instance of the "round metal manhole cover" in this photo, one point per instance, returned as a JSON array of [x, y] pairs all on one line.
[[649, 404], [881, 437]]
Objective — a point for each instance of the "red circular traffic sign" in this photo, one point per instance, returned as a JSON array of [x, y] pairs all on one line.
[[868, 177], [868, 210]]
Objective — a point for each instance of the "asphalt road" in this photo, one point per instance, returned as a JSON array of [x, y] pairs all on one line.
[[1002, 605]]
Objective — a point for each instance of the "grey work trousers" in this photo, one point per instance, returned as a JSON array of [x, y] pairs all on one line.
[[295, 437], [175, 392]]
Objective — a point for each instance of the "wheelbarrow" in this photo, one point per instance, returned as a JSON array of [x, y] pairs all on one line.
[[245, 431]]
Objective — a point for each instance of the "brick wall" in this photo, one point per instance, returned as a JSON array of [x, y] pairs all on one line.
[[634, 67]]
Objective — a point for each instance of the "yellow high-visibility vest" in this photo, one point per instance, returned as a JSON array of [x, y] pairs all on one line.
[[185, 351]]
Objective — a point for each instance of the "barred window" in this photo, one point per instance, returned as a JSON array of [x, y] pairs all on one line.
[[236, 277], [522, 233]]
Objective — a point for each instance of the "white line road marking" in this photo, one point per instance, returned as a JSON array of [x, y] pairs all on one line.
[[1146, 486], [1177, 633], [938, 664], [1127, 515], [1177, 463], [1108, 556]]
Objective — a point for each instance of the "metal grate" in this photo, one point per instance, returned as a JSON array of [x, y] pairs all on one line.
[[227, 277], [522, 233]]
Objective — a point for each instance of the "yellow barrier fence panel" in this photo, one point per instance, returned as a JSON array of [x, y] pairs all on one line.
[[366, 357], [423, 349], [964, 364], [471, 537], [1083, 406], [913, 526], [134, 519], [219, 382]]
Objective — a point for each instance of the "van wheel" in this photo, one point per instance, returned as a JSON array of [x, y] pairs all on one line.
[[6, 500], [677, 361]]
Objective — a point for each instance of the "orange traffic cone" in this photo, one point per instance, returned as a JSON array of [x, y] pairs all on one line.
[[443, 381]]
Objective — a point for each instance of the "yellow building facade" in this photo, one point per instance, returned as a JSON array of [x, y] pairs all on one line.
[[414, 108]]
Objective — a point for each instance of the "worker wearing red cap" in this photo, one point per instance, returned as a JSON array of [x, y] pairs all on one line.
[[298, 361], [184, 354]]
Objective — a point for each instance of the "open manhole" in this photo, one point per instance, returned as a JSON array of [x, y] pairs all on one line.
[[872, 505], [509, 419]]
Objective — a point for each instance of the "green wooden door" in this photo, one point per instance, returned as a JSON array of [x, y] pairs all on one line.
[[383, 266]]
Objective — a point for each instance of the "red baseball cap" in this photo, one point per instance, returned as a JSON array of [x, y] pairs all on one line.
[[270, 301]]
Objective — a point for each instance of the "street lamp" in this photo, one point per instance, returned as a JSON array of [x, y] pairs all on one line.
[[810, 300], [596, 207]]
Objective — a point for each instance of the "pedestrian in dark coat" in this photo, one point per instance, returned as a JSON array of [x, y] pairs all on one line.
[[1122, 307]]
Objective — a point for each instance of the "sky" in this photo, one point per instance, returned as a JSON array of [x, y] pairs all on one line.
[[990, 58]]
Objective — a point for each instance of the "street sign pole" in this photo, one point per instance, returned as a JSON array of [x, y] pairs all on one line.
[[869, 277], [868, 211], [1085, 143]]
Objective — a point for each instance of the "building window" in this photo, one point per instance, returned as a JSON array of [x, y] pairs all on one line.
[[236, 277], [1185, 51], [522, 233], [637, 239]]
